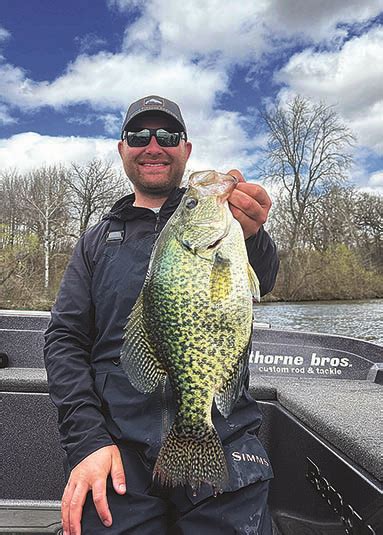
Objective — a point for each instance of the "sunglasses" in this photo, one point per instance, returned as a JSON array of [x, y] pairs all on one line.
[[163, 137]]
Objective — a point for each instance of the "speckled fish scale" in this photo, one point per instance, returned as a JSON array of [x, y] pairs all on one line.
[[192, 325]]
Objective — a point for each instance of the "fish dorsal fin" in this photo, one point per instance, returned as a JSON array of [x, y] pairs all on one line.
[[138, 358], [254, 283], [227, 397]]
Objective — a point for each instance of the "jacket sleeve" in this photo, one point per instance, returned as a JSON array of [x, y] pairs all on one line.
[[263, 257], [68, 343]]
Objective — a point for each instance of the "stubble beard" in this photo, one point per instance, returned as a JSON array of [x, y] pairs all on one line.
[[153, 189], [156, 188]]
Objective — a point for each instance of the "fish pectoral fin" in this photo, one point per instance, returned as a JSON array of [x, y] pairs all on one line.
[[254, 283], [138, 357], [221, 283], [227, 397]]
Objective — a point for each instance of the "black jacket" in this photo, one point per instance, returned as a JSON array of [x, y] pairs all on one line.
[[96, 404]]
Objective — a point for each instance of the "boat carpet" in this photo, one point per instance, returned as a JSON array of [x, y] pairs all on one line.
[[346, 413]]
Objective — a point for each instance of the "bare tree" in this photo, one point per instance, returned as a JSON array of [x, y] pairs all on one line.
[[44, 198], [93, 187], [307, 154], [334, 220], [11, 217], [368, 219]]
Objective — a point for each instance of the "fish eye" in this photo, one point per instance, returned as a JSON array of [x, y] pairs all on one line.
[[191, 203]]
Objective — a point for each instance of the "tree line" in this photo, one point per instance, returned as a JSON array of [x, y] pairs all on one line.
[[329, 234], [44, 213]]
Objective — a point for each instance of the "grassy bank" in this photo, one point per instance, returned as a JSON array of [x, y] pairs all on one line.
[[338, 273]]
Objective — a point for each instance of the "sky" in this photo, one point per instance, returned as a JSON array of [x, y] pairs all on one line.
[[69, 70]]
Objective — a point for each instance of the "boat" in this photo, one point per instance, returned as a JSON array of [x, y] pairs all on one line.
[[321, 396]]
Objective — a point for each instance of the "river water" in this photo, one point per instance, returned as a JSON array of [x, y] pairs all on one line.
[[358, 319]]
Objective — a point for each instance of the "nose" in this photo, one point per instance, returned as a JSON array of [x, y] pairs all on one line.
[[153, 147]]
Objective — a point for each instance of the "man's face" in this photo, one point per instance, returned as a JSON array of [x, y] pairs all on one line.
[[154, 170]]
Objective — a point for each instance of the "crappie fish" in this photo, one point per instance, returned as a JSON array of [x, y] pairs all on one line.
[[192, 324]]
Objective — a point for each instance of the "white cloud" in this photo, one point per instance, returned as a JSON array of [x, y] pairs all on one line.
[[89, 42], [159, 45], [4, 34], [362, 174], [347, 75], [320, 20], [221, 143], [230, 31], [112, 123], [368, 124], [83, 119], [376, 179], [186, 52], [236, 32], [5, 116], [351, 78], [111, 81], [29, 150], [123, 5]]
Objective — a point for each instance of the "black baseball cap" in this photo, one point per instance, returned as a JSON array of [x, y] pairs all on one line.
[[153, 103]]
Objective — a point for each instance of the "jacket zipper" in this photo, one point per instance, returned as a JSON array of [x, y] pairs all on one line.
[[157, 225]]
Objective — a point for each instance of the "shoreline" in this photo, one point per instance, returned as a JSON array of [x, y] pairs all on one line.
[[264, 301]]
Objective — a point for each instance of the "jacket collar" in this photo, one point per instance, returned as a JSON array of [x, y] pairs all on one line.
[[124, 210]]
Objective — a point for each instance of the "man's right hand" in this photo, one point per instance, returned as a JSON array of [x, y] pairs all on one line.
[[91, 474]]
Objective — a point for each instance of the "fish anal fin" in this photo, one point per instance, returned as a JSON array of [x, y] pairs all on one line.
[[138, 357]]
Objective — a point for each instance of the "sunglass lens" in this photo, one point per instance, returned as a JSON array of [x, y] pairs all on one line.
[[167, 139], [139, 139], [163, 137]]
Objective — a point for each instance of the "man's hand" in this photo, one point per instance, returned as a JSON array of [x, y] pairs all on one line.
[[91, 474], [249, 204]]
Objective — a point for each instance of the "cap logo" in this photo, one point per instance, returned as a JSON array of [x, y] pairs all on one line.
[[155, 101]]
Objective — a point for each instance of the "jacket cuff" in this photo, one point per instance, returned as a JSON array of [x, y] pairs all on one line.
[[87, 446], [263, 257]]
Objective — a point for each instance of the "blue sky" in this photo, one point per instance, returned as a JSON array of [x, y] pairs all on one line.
[[68, 71]]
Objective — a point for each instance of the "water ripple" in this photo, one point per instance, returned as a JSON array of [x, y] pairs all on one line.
[[358, 319]]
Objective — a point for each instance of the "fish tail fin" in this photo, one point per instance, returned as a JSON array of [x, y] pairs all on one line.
[[187, 460]]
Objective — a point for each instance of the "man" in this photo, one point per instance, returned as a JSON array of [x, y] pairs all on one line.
[[110, 432]]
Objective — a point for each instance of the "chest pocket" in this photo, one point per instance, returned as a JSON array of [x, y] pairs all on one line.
[[119, 272], [112, 241], [114, 244]]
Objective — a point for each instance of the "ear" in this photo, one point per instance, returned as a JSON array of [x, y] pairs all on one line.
[[120, 147], [188, 148]]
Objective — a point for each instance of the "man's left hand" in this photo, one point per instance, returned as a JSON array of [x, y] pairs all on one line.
[[249, 204]]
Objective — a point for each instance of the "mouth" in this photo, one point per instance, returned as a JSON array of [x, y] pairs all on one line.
[[154, 165]]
